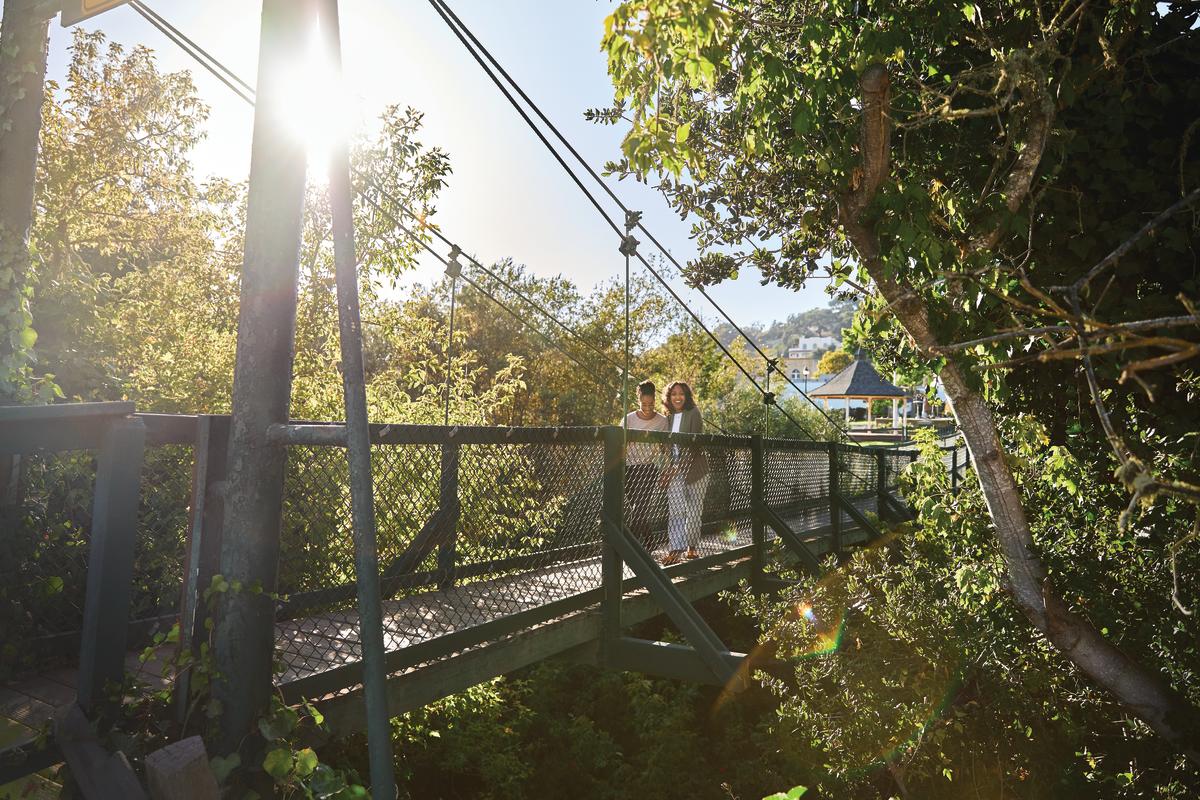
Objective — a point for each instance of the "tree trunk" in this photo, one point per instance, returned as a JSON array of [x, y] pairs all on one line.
[[22, 74], [1142, 692]]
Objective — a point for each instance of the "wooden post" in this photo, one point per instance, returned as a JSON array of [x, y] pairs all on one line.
[[835, 509], [110, 560], [180, 771], [97, 774], [954, 470], [613, 520], [448, 499], [203, 555], [262, 382], [758, 502]]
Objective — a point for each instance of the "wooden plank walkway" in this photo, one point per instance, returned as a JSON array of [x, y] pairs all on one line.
[[314, 645]]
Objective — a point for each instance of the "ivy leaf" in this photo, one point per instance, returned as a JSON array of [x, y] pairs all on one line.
[[222, 766], [278, 763], [280, 723], [306, 762], [326, 782]]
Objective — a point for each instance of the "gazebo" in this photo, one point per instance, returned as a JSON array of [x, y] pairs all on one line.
[[860, 381]]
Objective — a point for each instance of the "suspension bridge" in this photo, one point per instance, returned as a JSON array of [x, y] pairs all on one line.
[[372, 567], [498, 547]]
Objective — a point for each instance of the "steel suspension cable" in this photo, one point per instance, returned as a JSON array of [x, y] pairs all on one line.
[[469, 42], [474, 284], [450, 329], [209, 62], [225, 75], [463, 33], [216, 67], [456, 25], [536, 306]]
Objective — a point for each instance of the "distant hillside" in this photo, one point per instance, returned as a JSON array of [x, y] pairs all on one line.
[[779, 335]]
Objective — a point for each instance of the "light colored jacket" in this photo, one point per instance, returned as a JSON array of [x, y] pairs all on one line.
[[690, 459]]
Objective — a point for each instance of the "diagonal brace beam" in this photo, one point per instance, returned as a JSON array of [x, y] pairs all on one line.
[[674, 661], [711, 650], [790, 539], [901, 509], [852, 511], [435, 532]]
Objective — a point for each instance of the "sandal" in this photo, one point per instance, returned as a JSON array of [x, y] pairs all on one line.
[[673, 557]]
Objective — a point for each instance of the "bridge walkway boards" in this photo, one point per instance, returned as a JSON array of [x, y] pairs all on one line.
[[319, 653]]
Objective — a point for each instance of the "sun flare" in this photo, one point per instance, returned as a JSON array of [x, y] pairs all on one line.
[[315, 107]]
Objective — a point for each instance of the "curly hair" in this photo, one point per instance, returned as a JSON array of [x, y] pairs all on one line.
[[689, 400]]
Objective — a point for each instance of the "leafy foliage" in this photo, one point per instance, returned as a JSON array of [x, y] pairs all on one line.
[[834, 362], [1013, 149]]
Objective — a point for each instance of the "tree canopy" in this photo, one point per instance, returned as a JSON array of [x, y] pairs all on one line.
[[1011, 187]]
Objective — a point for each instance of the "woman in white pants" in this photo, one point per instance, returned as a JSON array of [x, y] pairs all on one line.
[[686, 477]]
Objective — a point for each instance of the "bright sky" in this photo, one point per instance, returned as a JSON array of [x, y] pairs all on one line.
[[507, 197]]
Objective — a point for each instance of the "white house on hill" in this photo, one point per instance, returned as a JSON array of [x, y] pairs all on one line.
[[806, 346]]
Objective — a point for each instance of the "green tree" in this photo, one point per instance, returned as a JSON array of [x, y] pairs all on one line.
[[969, 167], [833, 362]]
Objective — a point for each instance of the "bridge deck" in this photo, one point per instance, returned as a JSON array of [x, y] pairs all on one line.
[[320, 653]]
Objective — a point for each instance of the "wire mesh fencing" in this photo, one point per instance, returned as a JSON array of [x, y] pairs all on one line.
[[957, 461], [479, 526], [858, 476], [796, 482], [689, 493], [45, 538], [473, 525]]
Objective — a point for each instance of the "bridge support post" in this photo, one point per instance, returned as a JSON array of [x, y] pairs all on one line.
[[262, 383], [612, 522], [881, 504], [358, 443], [835, 506], [203, 555], [110, 560], [758, 503], [448, 502]]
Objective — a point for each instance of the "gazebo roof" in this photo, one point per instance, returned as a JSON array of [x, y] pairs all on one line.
[[857, 380]]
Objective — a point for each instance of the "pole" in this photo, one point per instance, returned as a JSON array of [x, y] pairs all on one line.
[[612, 568], [628, 249], [262, 382], [358, 444], [767, 397], [758, 502], [453, 269], [835, 508]]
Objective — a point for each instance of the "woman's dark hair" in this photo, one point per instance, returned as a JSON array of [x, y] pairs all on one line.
[[689, 402], [647, 387]]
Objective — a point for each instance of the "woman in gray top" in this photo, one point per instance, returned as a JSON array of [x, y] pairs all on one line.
[[686, 477], [644, 504]]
